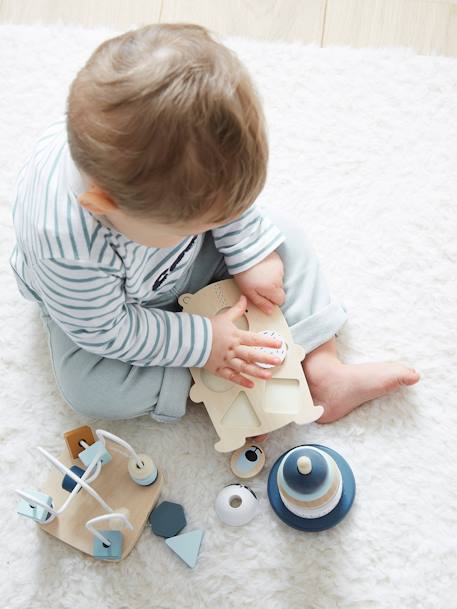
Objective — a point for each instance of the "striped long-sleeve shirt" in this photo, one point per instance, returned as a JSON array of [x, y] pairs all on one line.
[[101, 288]]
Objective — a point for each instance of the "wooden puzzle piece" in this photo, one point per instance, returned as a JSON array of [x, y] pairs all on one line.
[[186, 546], [167, 519], [240, 412]]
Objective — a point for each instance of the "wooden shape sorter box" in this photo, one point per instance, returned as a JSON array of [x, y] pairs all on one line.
[[239, 412], [116, 487]]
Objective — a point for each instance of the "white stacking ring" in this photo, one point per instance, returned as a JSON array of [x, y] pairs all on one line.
[[115, 524], [144, 471]]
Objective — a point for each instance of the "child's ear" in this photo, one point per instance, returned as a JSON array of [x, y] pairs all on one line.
[[185, 299], [97, 201]]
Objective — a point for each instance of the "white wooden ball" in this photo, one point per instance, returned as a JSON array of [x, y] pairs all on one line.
[[236, 505], [115, 524]]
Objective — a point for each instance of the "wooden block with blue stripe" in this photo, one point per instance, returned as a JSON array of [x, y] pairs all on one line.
[[37, 513], [75, 436], [89, 453], [112, 552]]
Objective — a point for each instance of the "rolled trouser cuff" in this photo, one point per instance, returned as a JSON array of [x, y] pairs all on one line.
[[320, 327], [171, 404]]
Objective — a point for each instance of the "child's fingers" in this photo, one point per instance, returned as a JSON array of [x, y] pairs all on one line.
[[252, 339], [262, 303], [254, 356], [235, 377], [240, 365], [238, 309], [274, 294]]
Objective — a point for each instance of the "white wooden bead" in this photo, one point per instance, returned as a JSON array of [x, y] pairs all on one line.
[[304, 465], [144, 475], [118, 523]]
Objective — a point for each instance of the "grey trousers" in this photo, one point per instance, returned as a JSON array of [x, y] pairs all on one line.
[[101, 387]]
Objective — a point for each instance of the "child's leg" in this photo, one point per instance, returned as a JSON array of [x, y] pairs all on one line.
[[107, 388], [314, 319], [340, 387]]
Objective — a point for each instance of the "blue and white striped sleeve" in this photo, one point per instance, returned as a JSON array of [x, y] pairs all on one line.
[[247, 240], [87, 301]]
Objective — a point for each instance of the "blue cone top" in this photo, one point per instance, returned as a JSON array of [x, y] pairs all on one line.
[[305, 484]]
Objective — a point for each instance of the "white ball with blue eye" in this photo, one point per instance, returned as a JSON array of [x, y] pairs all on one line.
[[236, 505]]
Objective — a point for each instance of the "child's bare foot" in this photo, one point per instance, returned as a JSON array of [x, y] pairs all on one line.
[[259, 439], [340, 388]]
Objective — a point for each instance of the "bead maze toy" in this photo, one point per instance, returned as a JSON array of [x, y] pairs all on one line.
[[117, 493], [239, 412]]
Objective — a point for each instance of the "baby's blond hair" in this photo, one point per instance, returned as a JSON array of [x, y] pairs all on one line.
[[167, 121]]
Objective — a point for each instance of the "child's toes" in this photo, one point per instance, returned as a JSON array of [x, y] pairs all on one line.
[[259, 439], [410, 376]]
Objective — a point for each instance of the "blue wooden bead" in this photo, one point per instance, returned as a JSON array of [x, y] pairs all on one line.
[[68, 484], [37, 513], [112, 552], [88, 454]]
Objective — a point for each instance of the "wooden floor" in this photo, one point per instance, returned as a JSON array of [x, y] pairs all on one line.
[[428, 26]]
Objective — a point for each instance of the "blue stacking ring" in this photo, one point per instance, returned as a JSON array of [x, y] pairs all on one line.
[[149, 480], [314, 524], [68, 484]]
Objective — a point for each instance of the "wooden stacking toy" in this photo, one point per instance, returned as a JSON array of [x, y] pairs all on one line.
[[311, 487], [240, 412], [116, 493]]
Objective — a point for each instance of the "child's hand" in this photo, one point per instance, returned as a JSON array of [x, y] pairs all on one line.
[[262, 283], [230, 354]]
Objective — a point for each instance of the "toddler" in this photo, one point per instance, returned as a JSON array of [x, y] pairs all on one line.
[[146, 189]]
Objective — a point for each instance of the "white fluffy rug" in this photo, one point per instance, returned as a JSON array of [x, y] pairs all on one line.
[[364, 153]]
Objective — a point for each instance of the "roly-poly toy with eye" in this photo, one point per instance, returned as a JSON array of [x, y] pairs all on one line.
[[247, 461], [236, 505]]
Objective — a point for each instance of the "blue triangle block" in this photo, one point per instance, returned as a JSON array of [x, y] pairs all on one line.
[[186, 546]]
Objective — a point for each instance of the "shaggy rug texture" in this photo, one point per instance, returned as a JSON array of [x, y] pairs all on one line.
[[363, 153]]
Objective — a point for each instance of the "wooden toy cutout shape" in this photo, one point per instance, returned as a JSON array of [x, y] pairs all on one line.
[[239, 412]]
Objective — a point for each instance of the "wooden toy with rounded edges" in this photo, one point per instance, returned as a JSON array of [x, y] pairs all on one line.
[[239, 412], [93, 485]]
